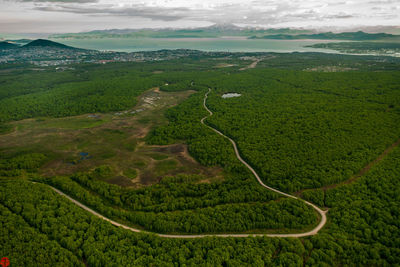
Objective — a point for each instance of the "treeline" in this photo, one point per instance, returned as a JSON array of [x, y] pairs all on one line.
[[172, 207], [98, 243], [171, 195], [19, 165]]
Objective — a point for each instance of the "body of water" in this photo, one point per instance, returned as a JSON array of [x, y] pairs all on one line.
[[230, 95], [232, 44]]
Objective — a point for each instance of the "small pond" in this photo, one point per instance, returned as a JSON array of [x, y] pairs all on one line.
[[229, 95]]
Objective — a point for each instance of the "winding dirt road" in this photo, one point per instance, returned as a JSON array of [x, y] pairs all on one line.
[[321, 212], [309, 233]]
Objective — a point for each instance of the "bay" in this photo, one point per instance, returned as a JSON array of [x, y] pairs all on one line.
[[228, 44]]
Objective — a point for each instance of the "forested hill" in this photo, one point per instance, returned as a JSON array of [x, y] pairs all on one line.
[[39, 43], [7, 45], [351, 36], [42, 43]]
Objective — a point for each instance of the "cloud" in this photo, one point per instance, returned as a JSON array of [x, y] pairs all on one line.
[[219, 11], [145, 12], [289, 13], [60, 1], [379, 2]]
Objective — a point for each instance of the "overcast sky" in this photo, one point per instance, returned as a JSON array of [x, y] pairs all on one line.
[[51, 16]]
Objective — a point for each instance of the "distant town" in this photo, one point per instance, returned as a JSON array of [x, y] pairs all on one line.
[[48, 53]]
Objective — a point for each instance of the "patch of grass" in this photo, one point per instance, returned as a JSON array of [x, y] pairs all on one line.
[[66, 123], [182, 179], [5, 128], [107, 155], [131, 146], [139, 164], [131, 173], [103, 171], [144, 120], [83, 144], [121, 181], [164, 167], [113, 131], [157, 156], [112, 134]]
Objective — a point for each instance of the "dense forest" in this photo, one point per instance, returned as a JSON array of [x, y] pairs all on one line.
[[301, 129], [188, 207], [363, 230], [298, 129], [81, 89], [27, 91]]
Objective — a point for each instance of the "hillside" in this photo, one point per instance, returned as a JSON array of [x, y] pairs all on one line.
[[19, 41], [377, 48], [351, 36], [46, 44], [7, 45], [213, 31]]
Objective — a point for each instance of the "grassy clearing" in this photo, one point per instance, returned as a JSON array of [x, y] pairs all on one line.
[[5, 128], [163, 167], [114, 140], [73, 123], [157, 156], [131, 173]]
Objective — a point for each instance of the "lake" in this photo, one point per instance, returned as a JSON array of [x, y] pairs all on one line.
[[231, 44], [230, 95]]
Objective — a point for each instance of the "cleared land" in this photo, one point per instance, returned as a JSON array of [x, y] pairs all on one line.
[[116, 140]]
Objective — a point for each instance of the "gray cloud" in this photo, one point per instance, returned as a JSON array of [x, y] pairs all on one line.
[[255, 11], [379, 2], [145, 12], [283, 13], [60, 1]]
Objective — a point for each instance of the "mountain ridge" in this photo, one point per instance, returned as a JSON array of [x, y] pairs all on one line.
[[47, 43], [351, 36], [8, 45]]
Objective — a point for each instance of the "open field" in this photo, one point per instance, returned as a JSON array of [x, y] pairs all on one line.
[[115, 140]]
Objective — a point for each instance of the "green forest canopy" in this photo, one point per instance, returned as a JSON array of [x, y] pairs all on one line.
[[314, 128]]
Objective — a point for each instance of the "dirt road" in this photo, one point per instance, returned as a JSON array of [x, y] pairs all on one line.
[[309, 233]]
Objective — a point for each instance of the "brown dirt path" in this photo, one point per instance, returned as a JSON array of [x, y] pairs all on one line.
[[361, 173], [314, 231]]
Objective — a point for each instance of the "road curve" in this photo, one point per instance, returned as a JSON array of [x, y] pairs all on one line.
[[321, 212], [309, 233]]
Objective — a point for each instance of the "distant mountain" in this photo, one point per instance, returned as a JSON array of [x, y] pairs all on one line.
[[42, 43], [350, 36], [19, 41], [213, 31], [7, 45]]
